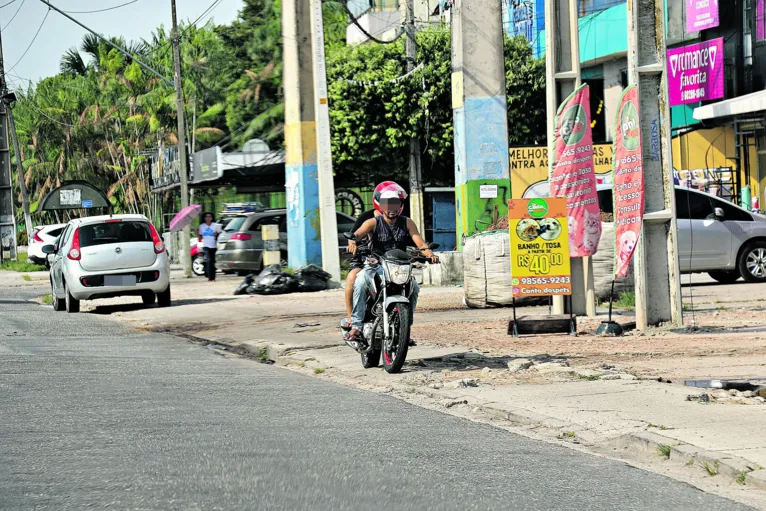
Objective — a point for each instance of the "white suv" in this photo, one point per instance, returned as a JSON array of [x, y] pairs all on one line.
[[108, 256]]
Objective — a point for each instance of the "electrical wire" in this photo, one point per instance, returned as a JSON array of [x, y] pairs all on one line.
[[14, 14], [6, 5], [371, 37], [31, 43], [102, 10]]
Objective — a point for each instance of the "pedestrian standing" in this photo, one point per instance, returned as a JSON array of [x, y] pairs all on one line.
[[208, 235]]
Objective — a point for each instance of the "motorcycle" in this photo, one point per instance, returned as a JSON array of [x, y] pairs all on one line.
[[387, 319]]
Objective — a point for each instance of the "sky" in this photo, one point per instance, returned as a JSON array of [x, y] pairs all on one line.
[[135, 21]]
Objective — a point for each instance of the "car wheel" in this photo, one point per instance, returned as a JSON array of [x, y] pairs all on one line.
[[163, 299], [725, 277], [752, 262], [148, 298], [58, 303], [198, 265], [72, 304]]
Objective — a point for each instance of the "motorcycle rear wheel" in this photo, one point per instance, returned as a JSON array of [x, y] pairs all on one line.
[[399, 323]]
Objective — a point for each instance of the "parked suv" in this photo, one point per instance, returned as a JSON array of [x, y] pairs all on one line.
[[41, 236], [108, 256], [243, 250], [714, 236]]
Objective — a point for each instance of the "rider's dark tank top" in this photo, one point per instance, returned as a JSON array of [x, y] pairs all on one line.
[[389, 237]]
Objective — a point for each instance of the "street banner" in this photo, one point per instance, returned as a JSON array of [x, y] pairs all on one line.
[[628, 192], [539, 247], [701, 15], [529, 169], [695, 72], [572, 173]]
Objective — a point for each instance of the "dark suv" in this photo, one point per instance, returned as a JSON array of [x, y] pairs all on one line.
[[242, 251]]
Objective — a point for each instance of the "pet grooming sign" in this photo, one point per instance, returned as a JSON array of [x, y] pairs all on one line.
[[539, 236]]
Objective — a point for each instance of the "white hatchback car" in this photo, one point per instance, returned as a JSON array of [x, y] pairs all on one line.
[[108, 256], [41, 236]]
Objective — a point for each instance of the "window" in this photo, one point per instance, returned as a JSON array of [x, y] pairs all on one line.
[[65, 235], [267, 220], [731, 212], [115, 232], [55, 232], [691, 205], [235, 223], [605, 203]]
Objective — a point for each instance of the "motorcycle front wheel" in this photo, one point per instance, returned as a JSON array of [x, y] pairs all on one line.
[[399, 324]]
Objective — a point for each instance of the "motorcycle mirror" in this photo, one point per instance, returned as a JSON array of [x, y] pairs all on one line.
[[433, 246], [349, 236]]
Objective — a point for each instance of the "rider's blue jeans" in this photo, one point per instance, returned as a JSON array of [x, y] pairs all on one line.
[[362, 288]]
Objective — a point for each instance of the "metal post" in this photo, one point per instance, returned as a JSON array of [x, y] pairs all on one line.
[[658, 286], [416, 182], [328, 219], [562, 62], [185, 255]]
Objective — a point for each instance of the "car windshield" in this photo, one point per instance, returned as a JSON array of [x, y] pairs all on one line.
[[114, 232], [235, 223]]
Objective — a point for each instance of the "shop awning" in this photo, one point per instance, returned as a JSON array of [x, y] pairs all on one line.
[[747, 104]]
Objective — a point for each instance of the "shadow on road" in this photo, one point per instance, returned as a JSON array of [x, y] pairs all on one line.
[[129, 307]]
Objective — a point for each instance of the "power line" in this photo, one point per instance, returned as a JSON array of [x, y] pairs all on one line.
[[362, 29], [6, 5], [14, 14], [31, 43], [102, 10]]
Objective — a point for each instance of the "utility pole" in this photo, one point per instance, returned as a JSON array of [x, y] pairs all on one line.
[[185, 256], [658, 283], [328, 219], [20, 172], [562, 63], [416, 178], [7, 216]]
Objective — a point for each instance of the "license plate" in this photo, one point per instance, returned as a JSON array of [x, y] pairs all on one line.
[[120, 280], [221, 246]]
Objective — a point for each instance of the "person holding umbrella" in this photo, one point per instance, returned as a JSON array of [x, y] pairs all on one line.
[[208, 234]]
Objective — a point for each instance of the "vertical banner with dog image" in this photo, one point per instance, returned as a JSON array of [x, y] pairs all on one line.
[[628, 191], [539, 247], [572, 175]]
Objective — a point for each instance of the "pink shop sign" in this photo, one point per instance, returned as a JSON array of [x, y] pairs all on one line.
[[701, 15], [695, 72]]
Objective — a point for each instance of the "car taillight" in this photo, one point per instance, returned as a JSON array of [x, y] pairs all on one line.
[[241, 236], [159, 246], [37, 238], [74, 252]]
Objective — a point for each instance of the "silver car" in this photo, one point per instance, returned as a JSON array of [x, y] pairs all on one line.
[[108, 256], [714, 236]]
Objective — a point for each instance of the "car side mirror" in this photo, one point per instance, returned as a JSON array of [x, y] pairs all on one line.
[[719, 215], [49, 249]]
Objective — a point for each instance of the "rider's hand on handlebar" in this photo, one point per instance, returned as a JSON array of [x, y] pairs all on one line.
[[352, 247], [433, 258]]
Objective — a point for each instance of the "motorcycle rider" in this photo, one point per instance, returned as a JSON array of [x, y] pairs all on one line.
[[390, 230]]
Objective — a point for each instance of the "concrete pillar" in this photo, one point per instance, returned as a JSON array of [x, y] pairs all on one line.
[[304, 244], [658, 285], [482, 179]]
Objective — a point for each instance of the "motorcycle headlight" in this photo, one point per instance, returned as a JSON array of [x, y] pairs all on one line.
[[399, 273]]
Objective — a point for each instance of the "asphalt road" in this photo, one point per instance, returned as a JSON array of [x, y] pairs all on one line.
[[94, 415]]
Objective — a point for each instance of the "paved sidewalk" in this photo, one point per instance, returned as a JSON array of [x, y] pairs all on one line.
[[600, 394]]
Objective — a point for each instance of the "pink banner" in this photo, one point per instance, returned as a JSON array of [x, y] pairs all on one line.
[[572, 173], [701, 15], [695, 72], [628, 191], [760, 20]]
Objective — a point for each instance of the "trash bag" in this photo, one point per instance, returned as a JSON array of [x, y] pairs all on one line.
[[242, 287], [312, 278], [273, 281]]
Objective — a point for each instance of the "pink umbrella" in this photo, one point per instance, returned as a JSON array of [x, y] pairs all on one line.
[[185, 217]]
